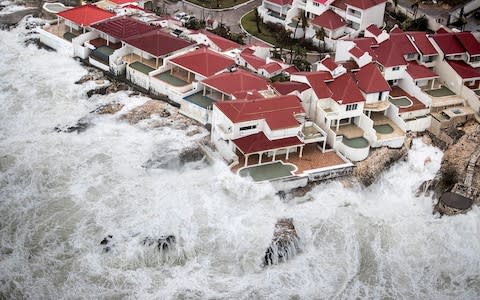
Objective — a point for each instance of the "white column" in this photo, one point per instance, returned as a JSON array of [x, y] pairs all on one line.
[[433, 82], [246, 160], [324, 145], [274, 153], [260, 157], [338, 123], [301, 151], [286, 157]]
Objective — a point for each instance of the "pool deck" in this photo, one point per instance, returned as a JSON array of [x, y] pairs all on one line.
[[350, 131], [416, 104], [379, 119], [311, 159]]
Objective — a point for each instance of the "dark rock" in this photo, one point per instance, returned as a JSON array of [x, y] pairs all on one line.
[[164, 243], [104, 241], [109, 108], [285, 243], [452, 204], [106, 249], [79, 127], [191, 155], [112, 88]]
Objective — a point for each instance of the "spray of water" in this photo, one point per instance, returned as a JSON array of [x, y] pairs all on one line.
[[61, 194]]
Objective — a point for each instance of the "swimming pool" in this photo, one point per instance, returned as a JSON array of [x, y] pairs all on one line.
[[358, 142], [401, 102], [383, 128]]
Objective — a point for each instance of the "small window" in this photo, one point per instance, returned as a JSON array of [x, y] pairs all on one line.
[[352, 106], [316, 4], [396, 68], [248, 127]]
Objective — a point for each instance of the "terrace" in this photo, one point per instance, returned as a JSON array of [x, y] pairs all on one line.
[[385, 127], [404, 101], [312, 159], [349, 131], [444, 97], [63, 31], [131, 58], [200, 100]]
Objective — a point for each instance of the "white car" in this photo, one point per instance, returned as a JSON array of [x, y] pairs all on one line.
[[178, 16], [187, 19]]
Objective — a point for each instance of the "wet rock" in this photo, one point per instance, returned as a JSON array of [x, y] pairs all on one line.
[[163, 243], [80, 126], [425, 188], [451, 203], [285, 243], [146, 110], [379, 160], [105, 242], [110, 108], [93, 74], [191, 154], [105, 90]]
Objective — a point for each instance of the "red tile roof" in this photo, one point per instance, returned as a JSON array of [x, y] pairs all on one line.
[[329, 63], [464, 70], [123, 27], [280, 2], [364, 4], [329, 20], [247, 95], [132, 6], [389, 55], [259, 143], [396, 30], [317, 82], [421, 41], [344, 90], [291, 70], [85, 15], [237, 81], [271, 67], [403, 43], [278, 112], [366, 44], [222, 43], [355, 51], [370, 80], [340, 4], [373, 29], [285, 88], [469, 42], [157, 42], [255, 61], [448, 43], [121, 2], [203, 61], [417, 71]]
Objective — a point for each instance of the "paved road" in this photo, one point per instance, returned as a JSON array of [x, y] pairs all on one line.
[[230, 17]]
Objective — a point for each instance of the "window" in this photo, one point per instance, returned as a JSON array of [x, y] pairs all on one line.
[[396, 68], [316, 4], [352, 107], [250, 127]]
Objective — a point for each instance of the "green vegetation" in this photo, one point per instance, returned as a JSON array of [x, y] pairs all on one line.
[[217, 3], [249, 23]]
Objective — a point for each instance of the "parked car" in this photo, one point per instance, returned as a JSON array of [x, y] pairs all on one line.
[[187, 19], [179, 15]]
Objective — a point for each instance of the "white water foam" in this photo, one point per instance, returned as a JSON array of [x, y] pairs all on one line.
[[62, 193]]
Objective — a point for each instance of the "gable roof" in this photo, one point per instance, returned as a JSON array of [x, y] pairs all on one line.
[[121, 2], [417, 71], [389, 55], [253, 60], [464, 70], [317, 81], [423, 44], [222, 43], [271, 67], [364, 4], [157, 42], [344, 90], [328, 63], [329, 20], [286, 87], [259, 143], [237, 81], [278, 112], [340, 4], [373, 29], [448, 43], [357, 52], [469, 42], [85, 15], [370, 80], [123, 27], [203, 61]]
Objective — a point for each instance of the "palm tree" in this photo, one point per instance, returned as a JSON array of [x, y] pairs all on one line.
[[301, 18], [257, 21], [395, 4]]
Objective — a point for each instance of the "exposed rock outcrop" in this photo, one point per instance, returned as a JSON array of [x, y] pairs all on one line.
[[110, 108], [285, 243], [93, 74], [145, 111], [80, 126], [379, 160], [163, 243]]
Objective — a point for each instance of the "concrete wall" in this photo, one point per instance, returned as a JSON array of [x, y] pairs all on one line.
[[390, 74], [408, 85], [419, 124], [78, 48], [60, 44]]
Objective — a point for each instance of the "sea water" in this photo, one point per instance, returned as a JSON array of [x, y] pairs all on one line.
[[62, 193]]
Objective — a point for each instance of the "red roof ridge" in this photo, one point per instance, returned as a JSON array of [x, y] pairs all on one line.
[[85, 15]]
